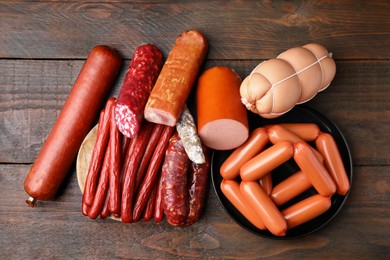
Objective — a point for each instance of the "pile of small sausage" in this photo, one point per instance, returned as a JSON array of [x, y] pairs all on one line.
[[148, 160], [247, 179]]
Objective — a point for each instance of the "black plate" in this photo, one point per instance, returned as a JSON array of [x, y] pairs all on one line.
[[300, 114]]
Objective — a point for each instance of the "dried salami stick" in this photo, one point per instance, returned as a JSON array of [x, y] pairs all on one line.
[[102, 188], [152, 172], [198, 178], [151, 146], [158, 208], [141, 75], [149, 210], [115, 163], [98, 154], [174, 183], [105, 211], [136, 150]]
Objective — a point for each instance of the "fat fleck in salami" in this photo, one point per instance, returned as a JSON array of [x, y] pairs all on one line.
[[197, 186], [174, 182], [188, 133], [139, 81]]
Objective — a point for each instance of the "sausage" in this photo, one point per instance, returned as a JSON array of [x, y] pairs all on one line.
[[222, 118], [306, 210], [277, 133], [198, 175], [138, 83], [158, 208], [149, 209], [174, 183], [314, 169], [231, 190], [306, 131], [98, 152], [152, 172], [149, 150], [130, 169], [102, 187], [266, 161], [258, 139], [188, 133], [266, 183], [105, 211], [170, 93], [290, 187], [327, 146], [72, 125], [263, 206], [114, 205]]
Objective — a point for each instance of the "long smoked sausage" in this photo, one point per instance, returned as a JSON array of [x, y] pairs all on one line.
[[170, 93], [72, 125]]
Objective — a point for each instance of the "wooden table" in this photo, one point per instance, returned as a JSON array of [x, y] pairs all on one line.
[[43, 46]]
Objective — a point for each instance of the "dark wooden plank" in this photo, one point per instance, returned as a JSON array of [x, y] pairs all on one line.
[[58, 229], [33, 92], [235, 29]]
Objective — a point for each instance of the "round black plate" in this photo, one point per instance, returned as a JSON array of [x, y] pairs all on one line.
[[300, 114]]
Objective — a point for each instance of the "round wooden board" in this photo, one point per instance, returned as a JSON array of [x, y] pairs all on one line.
[[84, 157]]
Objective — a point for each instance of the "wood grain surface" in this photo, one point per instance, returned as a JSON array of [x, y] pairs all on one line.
[[43, 45]]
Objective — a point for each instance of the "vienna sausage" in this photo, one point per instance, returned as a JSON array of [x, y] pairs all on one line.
[[314, 169], [290, 187], [231, 190], [306, 131], [261, 203], [306, 210], [266, 161], [327, 146], [75, 120], [257, 140], [266, 183]]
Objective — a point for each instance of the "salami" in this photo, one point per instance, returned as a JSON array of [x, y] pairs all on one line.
[[174, 182], [197, 186], [188, 133], [141, 75], [170, 93]]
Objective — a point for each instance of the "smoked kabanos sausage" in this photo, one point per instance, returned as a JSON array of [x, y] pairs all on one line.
[[289, 188], [327, 146], [231, 189], [258, 139], [73, 123], [263, 206], [158, 208], [138, 83], [115, 147], [306, 210], [266, 161], [170, 93], [314, 169], [174, 181]]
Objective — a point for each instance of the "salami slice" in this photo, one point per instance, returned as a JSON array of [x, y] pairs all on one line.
[[141, 75]]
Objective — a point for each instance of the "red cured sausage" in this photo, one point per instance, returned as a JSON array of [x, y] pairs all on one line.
[[314, 169], [290, 188], [115, 147], [266, 161], [98, 152], [306, 210], [258, 139], [170, 93], [231, 189], [158, 208], [138, 83], [152, 172], [327, 146], [261, 203], [149, 209], [72, 125], [174, 189], [198, 175], [277, 134], [130, 169]]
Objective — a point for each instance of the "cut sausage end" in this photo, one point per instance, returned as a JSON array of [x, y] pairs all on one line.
[[158, 116], [127, 121], [224, 134]]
